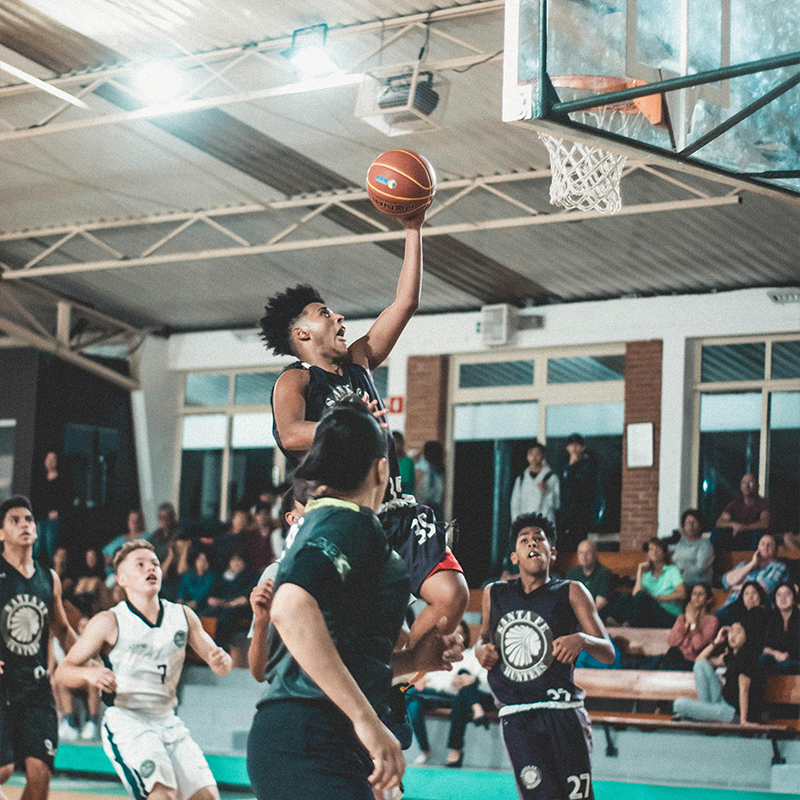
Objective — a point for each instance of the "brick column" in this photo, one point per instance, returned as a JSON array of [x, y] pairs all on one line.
[[642, 404], [426, 400]]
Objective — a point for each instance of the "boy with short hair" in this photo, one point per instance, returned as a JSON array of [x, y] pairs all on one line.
[[30, 610], [142, 641], [529, 642]]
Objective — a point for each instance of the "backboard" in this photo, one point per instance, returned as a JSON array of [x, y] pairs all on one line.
[[727, 71]]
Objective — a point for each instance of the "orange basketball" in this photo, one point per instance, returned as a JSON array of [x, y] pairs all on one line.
[[401, 182]]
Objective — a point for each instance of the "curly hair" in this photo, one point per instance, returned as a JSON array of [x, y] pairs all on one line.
[[282, 311]]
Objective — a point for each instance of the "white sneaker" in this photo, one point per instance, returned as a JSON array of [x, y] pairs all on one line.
[[89, 731], [422, 758], [66, 733]]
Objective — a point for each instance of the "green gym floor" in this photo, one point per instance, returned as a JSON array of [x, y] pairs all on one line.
[[420, 784]]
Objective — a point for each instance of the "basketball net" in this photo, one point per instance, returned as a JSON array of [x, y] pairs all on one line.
[[585, 177]]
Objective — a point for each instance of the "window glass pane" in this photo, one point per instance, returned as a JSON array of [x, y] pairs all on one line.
[[250, 474], [201, 484], [380, 376], [583, 369], [489, 421], [601, 425], [785, 360], [253, 388], [207, 390], [498, 373], [7, 430], [730, 437], [252, 430], [732, 362], [206, 431], [784, 462], [600, 419]]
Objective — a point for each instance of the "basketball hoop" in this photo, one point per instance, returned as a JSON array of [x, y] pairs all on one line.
[[585, 177]]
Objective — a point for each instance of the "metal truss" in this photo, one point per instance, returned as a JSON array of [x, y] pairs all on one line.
[[213, 71], [351, 201], [35, 317]]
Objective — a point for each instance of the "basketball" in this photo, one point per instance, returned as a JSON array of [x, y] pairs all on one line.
[[401, 183]]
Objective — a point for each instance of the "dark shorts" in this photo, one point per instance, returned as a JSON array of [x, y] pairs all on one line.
[[28, 729], [299, 750], [550, 750], [417, 537]]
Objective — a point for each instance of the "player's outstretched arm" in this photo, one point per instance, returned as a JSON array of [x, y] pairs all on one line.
[[594, 638], [59, 624], [289, 407], [205, 647], [373, 349], [485, 651], [78, 670]]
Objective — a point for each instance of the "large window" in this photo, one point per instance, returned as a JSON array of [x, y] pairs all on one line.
[[500, 403], [748, 420]]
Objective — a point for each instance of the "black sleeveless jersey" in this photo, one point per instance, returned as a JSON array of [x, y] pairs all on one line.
[[523, 628], [24, 630], [326, 388]]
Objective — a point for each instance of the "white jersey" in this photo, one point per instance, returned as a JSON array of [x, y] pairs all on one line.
[[147, 659]]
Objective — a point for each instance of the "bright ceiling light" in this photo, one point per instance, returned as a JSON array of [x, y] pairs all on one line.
[[308, 52], [158, 82]]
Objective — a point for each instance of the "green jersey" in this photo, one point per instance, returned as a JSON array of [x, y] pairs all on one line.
[[340, 556]]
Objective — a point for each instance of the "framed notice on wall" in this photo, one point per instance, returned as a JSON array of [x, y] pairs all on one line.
[[640, 444]]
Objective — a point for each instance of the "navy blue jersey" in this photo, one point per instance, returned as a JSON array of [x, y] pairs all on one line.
[[24, 630], [326, 388], [523, 628]]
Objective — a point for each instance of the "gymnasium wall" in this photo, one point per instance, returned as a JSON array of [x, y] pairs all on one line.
[[674, 320]]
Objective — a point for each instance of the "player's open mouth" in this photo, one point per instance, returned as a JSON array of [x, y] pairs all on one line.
[[152, 579], [340, 334], [533, 554]]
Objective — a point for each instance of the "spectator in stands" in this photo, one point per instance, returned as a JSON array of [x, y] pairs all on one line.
[[592, 574], [62, 569], [165, 535], [693, 555], [657, 593], [782, 642], [229, 599], [259, 537], [196, 582], [737, 699], [429, 478], [763, 567], [52, 506], [578, 488], [692, 632], [235, 537], [537, 490], [90, 594], [741, 524], [406, 464], [464, 690], [135, 525]]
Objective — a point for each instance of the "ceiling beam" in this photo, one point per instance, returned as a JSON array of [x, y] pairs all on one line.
[[364, 238]]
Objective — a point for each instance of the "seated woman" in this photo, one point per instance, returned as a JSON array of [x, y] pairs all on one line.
[[196, 582], [738, 698], [229, 599], [781, 654], [752, 607], [338, 608], [90, 594], [657, 593], [465, 692], [691, 633]]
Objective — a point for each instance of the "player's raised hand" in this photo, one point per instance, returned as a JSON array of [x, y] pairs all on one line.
[[101, 677], [414, 221], [567, 648], [487, 655], [378, 413], [261, 601], [219, 661], [385, 752]]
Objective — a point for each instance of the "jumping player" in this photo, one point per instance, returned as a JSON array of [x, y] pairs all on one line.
[[30, 611], [298, 323], [529, 641], [142, 640]]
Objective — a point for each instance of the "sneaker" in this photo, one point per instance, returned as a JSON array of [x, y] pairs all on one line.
[[422, 758], [89, 731], [66, 733]]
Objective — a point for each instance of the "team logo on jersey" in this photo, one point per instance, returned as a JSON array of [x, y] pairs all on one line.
[[525, 643], [179, 638], [22, 623], [340, 393], [530, 776], [148, 768]]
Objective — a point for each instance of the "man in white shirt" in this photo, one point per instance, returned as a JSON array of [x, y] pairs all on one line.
[[537, 490]]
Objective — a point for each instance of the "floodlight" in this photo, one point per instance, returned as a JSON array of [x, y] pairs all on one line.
[[308, 52], [158, 82]]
